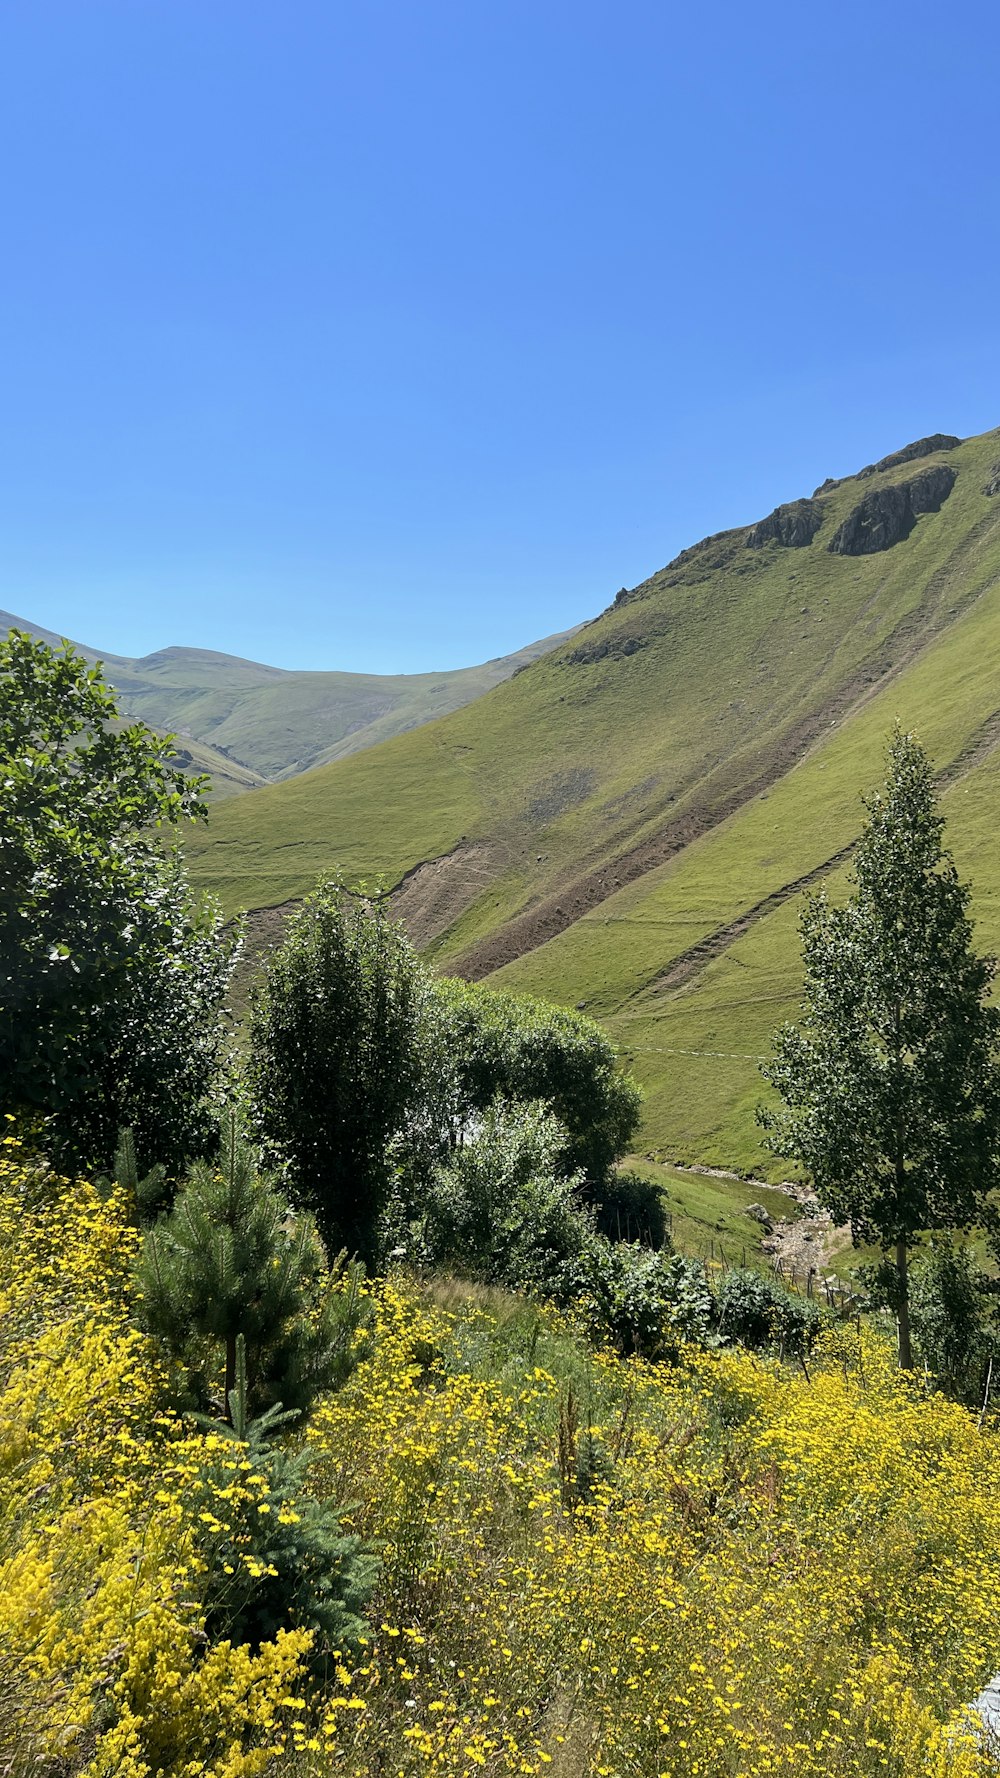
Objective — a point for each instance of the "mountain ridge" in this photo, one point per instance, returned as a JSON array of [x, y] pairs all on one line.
[[271, 722]]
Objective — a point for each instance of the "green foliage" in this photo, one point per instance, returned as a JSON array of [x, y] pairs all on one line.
[[334, 1068], [231, 1263], [280, 1559], [502, 1209], [756, 1311], [890, 1084], [951, 1321], [643, 1302], [511, 1047], [631, 1208], [111, 978]]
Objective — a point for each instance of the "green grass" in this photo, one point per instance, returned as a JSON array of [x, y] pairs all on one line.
[[707, 1216], [562, 770]]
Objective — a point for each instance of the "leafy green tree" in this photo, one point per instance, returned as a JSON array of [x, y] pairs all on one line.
[[890, 1084], [111, 977], [230, 1264], [334, 1068], [512, 1047]]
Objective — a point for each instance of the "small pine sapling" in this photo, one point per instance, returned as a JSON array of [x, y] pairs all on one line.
[[231, 1260]]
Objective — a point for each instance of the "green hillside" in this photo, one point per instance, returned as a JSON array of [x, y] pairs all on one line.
[[250, 724], [627, 824]]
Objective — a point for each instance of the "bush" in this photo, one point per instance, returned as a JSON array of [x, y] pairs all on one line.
[[949, 1314], [501, 1210], [644, 1303], [755, 1310], [280, 1559]]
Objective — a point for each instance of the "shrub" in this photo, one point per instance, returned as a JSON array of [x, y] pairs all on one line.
[[278, 1559], [642, 1302], [756, 1311], [502, 1210]]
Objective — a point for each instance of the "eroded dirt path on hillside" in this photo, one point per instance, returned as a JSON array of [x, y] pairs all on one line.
[[720, 795]]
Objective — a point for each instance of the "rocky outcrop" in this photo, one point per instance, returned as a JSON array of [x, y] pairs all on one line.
[[605, 648], [922, 447], [887, 515], [793, 525], [992, 482]]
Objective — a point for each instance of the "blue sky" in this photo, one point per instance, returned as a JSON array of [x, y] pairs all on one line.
[[387, 335]]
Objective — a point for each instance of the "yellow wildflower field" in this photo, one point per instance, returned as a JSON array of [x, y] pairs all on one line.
[[589, 1566]]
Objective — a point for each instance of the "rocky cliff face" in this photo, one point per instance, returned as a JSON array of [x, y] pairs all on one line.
[[793, 526], [887, 515], [992, 483]]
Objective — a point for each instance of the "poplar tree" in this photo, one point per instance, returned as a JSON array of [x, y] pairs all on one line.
[[890, 1082], [335, 1061]]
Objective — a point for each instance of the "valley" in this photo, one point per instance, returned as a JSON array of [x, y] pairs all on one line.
[[628, 825], [248, 724]]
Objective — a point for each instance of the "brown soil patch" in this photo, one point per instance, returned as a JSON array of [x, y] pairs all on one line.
[[263, 932], [433, 895]]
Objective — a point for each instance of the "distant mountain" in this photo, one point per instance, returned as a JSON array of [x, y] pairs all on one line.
[[249, 724], [629, 824]]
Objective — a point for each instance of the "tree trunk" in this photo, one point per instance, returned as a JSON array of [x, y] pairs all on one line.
[[230, 1374], [903, 1308]]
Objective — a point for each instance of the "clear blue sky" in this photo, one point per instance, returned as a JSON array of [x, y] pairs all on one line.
[[391, 334]]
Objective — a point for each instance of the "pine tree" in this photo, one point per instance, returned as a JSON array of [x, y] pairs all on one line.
[[890, 1083], [231, 1262], [280, 1560]]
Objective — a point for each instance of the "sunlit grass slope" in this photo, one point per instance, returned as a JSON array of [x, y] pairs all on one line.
[[696, 1043], [670, 779]]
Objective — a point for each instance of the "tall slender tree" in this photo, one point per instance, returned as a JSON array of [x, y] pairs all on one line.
[[334, 1068], [890, 1082]]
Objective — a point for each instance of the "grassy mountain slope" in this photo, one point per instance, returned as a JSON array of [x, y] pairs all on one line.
[[628, 824], [262, 723]]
